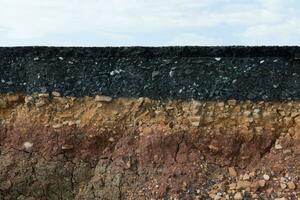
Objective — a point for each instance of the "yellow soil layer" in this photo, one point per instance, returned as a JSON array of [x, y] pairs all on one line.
[[105, 114]]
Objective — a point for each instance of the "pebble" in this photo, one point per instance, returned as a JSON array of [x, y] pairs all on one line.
[[40, 103], [29, 99], [283, 186], [291, 185], [28, 146], [266, 177], [243, 184], [246, 177], [3, 103], [238, 196], [67, 147], [56, 126], [261, 183], [232, 102], [13, 98], [278, 146], [44, 95], [102, 98], [56, 94], [232, 172]]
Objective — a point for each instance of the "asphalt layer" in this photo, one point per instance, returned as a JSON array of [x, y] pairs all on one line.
[[202, 73]]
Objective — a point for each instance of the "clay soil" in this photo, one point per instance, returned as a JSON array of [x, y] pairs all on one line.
[[55, 147]]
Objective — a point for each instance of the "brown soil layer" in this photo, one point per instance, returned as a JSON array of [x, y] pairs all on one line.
[[99, 148]]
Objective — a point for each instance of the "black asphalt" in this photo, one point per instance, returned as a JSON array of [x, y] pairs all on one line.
[[202, 73]]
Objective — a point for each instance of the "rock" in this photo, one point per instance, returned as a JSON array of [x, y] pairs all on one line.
[[29, 100], [3, 103], [278, 145], [56, 94], [40, 103], [43, 95], [56, 126], [28, 146], [5, 185], [232, 186], [13, 98], [238, 196], [246, 177], [243, 184], [232, 172], [111, 139], [67, 147], [231, 102], [261, 183], [291, 185], [102, 98], [266, 177], [283, 186]]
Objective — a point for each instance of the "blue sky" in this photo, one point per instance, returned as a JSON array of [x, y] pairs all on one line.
[[149, 22]]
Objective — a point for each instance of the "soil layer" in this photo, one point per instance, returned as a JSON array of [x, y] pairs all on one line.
[[55, 147]]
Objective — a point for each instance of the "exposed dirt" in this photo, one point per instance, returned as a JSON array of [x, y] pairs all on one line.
[[97, 148]]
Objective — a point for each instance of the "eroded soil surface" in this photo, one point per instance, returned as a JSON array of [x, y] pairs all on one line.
[[56, 147]]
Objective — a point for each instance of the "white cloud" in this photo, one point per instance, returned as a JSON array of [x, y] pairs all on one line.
[[150, 22], [189, 39]]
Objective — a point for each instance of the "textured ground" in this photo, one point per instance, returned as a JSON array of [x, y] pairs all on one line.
[[167, 129], [56, 147]]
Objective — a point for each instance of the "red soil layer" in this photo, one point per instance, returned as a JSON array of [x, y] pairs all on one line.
[[67, 148]]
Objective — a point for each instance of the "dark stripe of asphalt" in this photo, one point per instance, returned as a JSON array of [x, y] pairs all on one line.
[[202, 73]]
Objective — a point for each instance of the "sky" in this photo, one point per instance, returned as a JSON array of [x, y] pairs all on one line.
[[149, 22]]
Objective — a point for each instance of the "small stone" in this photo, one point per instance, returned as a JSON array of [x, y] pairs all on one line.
[[111, 139], [5, 185], [29, 100], [243, 184], [43, 95], [56, 94], [3, 103], [218, 59], [67, 147], [102, 98], [291, 185], [212, 147], [232, 186], [232, 102], [56, 126], [154, 74], [256, 111], [40, 103], [266, 177], [283, 186], [28, 146], [195, 124], [13, 98], [221, 104], [246, 177], [232, 172], [238, 196], [261, 183], [278, 146], [247, 113]]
